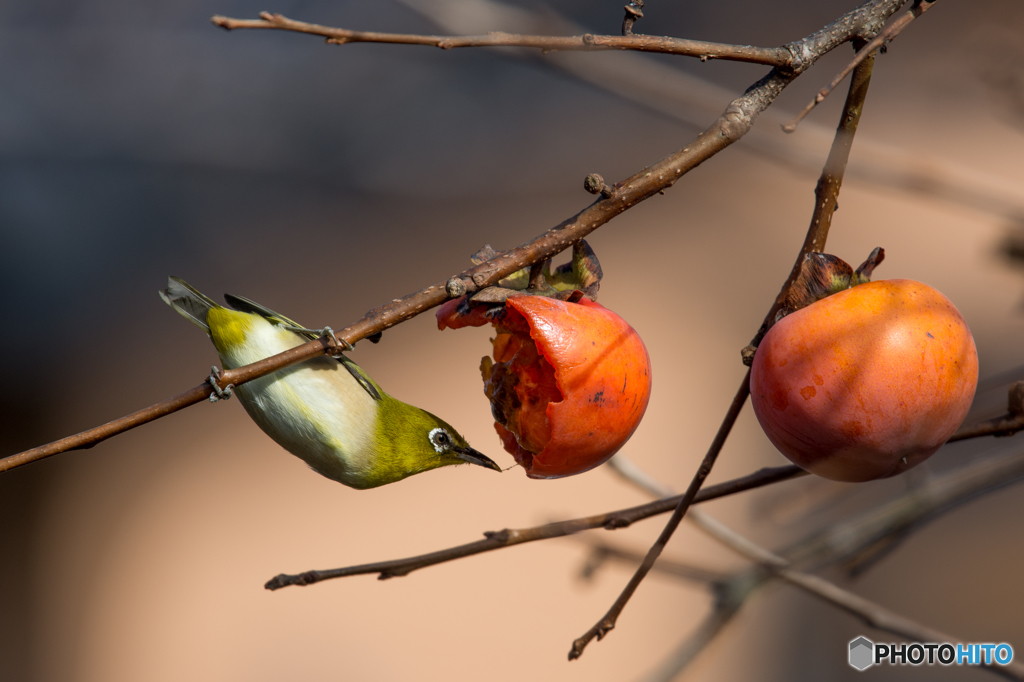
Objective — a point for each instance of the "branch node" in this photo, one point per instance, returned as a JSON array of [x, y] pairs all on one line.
[[501, 536], [616, 523], [455, 287], [595, 184]]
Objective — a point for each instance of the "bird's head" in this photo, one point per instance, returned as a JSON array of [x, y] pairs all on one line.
[[411, 440], [451, 448]]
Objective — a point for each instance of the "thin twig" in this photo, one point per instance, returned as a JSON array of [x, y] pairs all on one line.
[[855, 539], [730, 594], [837, 543], [537, 279], [949, 490], [869, 612], [607, 623], [770, 56], [663, 89], [609, 520], [868, 51], [826, 193], [510, 537], [1007, 425]]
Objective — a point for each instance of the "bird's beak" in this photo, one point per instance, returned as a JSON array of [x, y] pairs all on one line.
[[473, 457]]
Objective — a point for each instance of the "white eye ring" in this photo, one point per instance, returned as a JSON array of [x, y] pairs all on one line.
[[440, 439]]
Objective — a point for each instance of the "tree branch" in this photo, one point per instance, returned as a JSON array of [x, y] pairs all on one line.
[[826, 193], [941, 494], [869, 612], [660, 88], [855, 541], [511, 537], [999, 427], [778, 57], [866, 52], [607, 623], [1007, 425]]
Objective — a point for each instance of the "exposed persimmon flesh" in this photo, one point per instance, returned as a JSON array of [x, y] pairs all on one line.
[[520, 383]]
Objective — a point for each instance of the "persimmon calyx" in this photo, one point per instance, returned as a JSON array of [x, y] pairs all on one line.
[[822, 275], [569, 282]]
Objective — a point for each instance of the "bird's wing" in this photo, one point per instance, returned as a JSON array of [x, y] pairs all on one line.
[[362, 377], [245, 305]]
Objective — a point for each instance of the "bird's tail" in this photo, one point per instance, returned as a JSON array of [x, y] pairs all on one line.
[[188, 301]]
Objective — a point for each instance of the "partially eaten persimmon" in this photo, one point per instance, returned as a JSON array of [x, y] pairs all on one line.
[[568, 383]]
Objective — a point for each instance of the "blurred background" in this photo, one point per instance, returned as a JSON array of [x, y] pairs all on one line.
[[139, 141]]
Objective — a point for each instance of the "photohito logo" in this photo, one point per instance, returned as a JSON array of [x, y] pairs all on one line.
[[864, 653]]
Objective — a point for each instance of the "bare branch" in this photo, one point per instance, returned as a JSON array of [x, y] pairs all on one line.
[[839, 542], [866, 52], [511, 537], [870, 613], [778, 57], [857, 539], [668, 91], [826, 194], [1007, 425], [607, 623]]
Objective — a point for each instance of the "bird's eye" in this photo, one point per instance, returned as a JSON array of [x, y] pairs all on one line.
[[440, 439]]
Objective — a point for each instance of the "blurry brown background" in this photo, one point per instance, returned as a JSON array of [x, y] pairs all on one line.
[[137, 141]]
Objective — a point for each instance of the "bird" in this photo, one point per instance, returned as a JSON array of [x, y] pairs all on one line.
[[326, 411]]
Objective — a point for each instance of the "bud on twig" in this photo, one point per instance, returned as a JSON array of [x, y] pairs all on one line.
[[455, 287]]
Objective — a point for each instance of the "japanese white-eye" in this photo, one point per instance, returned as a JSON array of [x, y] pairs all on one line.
[[326, 411]]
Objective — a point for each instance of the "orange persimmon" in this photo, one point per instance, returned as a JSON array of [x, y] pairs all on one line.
[[865, 383], [568, 384]]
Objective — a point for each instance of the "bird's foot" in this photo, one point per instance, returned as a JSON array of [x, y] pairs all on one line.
[[341, 344], [338, 343], [218, 392]]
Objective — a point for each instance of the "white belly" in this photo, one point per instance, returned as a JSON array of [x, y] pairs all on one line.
[[316, 410]]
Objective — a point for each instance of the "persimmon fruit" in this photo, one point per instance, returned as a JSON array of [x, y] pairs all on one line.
[[865, 383], [568, 384]]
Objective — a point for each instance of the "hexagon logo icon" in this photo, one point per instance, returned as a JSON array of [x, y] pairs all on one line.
[[862, 652]]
